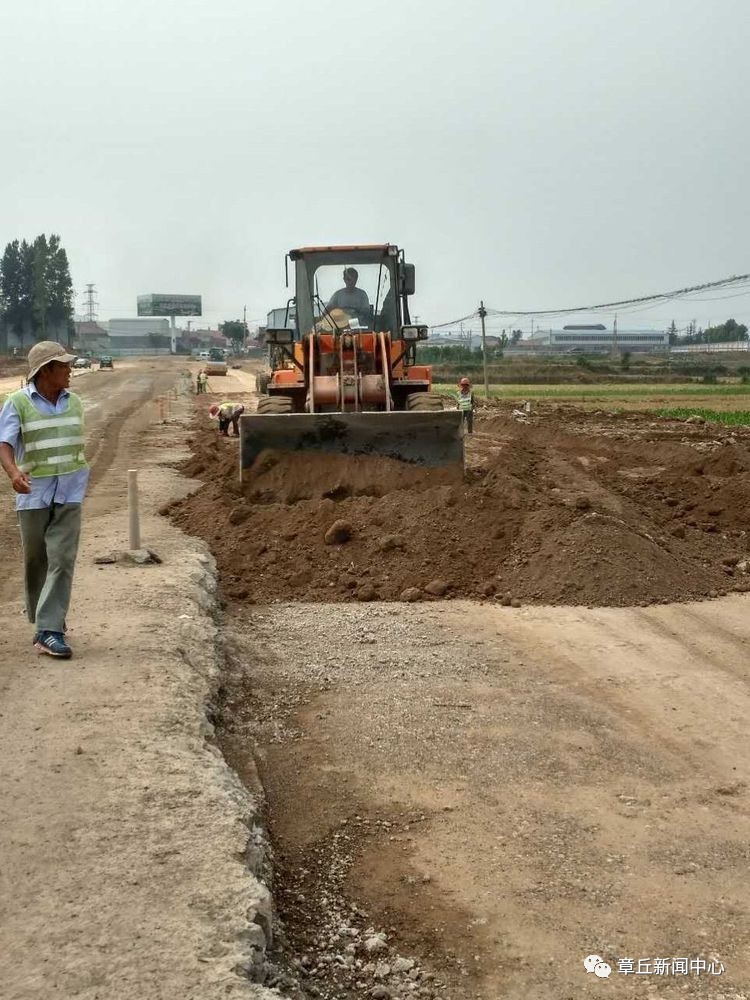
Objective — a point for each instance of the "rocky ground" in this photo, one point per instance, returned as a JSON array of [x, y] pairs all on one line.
[[465, 800]]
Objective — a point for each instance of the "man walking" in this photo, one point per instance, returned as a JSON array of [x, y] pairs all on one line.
[[466, 404], [41, 450]]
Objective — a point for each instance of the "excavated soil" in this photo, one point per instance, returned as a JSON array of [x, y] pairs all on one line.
[[568, 508]]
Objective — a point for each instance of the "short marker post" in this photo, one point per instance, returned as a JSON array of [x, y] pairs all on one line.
[[134, 524]]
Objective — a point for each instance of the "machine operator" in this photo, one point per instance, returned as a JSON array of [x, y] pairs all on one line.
[[351, 299]]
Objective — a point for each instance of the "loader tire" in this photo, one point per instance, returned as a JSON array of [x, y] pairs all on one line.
[[428, 401], [275, 404]]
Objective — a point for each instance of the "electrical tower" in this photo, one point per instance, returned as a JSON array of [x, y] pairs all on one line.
[[90, 303]]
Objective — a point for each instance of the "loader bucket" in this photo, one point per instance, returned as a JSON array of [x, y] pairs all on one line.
[[423, 438]]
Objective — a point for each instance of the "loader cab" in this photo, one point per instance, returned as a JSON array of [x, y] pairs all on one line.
[[354, 287]]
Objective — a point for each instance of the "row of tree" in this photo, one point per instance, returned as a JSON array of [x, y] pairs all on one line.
[[36, 290], [436, 353], [724, 333]]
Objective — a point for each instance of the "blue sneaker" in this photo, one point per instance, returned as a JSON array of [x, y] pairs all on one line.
[[35, 639], [53, 644]]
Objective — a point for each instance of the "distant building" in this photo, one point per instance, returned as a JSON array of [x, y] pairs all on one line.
[[90, 337], [14, 342], [595, 339], [139, 336], [284, 318], [202, 339]]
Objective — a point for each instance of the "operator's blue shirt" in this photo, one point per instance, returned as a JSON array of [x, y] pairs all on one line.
[[45, 490]]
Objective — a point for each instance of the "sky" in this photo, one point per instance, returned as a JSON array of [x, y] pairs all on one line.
[[531, 153]]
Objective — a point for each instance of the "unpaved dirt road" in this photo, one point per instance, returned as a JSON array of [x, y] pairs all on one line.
[[124, 838], [515, 789]]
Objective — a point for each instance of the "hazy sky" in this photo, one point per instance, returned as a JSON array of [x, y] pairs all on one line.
[[533, 153]]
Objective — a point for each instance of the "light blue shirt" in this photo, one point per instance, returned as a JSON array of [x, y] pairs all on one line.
[[45, 490]]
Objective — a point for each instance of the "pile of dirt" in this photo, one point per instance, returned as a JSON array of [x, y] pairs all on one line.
[[543, 516]]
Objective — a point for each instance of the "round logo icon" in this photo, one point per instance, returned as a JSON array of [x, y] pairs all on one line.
[[591, 962]]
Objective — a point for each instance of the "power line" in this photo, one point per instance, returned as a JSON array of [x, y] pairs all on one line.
[[657, 297], [641, 300]]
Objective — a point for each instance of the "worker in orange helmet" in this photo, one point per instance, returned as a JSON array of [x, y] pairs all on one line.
[[227, 413], [466, 403]]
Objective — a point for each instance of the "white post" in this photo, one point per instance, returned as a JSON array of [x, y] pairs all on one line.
[[134, 526]]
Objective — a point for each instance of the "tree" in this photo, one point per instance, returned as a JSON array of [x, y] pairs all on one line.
[[60, 285], [234, 330], [15, 295], [516, 336], [39, 285], [722, 334], [36, 290]]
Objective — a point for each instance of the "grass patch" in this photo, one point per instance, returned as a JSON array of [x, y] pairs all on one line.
[[733, 418]]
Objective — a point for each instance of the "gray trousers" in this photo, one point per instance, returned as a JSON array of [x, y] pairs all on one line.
[[50, 546]]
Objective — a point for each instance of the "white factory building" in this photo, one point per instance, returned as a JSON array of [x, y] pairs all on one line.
[[595, 339], [149, 335]]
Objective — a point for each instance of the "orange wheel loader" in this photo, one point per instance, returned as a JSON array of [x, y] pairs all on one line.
[[345, 377]]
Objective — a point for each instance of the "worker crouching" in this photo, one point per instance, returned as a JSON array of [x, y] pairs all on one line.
[[228, 413], [466, 404]]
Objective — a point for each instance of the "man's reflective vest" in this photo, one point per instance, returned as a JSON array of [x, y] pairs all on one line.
[[53, 443]]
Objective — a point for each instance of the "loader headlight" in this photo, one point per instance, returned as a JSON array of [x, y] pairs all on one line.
[[414, 332]]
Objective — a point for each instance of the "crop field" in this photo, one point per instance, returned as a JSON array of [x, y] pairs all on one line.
[[682, 399], [733, 418]]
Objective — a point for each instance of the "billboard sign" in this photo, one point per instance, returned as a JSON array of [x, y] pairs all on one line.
[[169, 305]]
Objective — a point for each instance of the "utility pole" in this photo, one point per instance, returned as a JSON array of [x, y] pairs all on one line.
[[615, 350], [90, 303], [482, 314]]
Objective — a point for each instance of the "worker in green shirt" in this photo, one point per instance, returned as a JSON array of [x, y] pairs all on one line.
[[466, 403], [227, 413]]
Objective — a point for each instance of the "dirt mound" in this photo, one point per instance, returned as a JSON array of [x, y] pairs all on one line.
[[281, 478], [543, 516]]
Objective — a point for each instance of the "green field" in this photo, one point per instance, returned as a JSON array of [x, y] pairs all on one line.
[[734, 418]]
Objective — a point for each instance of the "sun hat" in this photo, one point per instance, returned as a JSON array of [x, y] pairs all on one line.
[[43, 353]]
